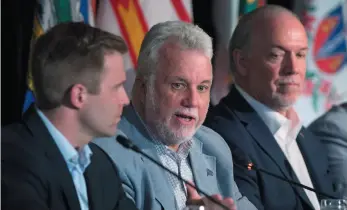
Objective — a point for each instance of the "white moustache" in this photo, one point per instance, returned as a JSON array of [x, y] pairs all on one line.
[[287, 80], [188, 111]]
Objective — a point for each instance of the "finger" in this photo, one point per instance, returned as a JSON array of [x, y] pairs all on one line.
[[210, 205], [229, 202], [196, 202], [193, 197], [217, 197], [192, 193]]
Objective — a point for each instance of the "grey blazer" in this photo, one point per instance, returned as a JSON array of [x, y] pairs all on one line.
[[331, 128], [146, 184]]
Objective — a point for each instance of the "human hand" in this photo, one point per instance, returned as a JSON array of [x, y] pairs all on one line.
[[195, 199]]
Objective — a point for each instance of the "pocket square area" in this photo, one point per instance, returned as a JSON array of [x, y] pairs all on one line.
[[209, 172]]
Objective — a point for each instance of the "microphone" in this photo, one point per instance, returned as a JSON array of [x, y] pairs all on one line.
[[251, 166], [130, 145]]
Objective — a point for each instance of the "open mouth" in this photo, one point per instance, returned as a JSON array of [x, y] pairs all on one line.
[[184, 117]]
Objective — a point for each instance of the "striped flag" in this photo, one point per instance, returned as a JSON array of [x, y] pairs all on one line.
[[226, 15], [131, 19], [247, 6], [50, 13], [86, 10]]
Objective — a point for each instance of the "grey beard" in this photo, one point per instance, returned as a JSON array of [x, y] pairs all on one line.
[[279, 103], [160, 129]]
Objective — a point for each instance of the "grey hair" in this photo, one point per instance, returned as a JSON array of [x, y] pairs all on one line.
[[242, 35], [187, 35]]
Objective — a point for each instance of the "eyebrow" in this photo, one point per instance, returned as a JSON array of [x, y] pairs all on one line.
[[119, 84], [207, 81], [185, 81], [282, 48]]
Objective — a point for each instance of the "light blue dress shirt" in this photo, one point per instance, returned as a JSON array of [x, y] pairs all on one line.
[[77, 161]]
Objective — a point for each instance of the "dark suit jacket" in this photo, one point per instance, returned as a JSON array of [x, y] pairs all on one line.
[[35, 175], [249, 138]]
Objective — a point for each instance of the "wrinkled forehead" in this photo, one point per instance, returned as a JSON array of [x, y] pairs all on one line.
[[189, 64], [283, 30]]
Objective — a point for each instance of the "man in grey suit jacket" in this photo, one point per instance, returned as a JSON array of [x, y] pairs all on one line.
[[332, 130], [170, 100]]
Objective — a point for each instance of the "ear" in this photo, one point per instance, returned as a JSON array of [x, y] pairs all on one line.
[[240, 61], [78, 95]]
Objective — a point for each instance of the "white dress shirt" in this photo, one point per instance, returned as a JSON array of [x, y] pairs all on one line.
[[177, 162], [285, 131]]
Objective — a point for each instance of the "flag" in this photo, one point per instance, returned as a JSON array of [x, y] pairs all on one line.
[[83, 10], [44, 18], [247, 6], [326, 76], [51, 12], [226, 14], [131, 19]]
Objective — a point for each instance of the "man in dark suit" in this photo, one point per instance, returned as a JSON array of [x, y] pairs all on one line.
[[47, 161], [257, 119]]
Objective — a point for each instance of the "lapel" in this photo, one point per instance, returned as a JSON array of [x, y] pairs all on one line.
[[204, 169], [137, 132], [55, 158], [260, 132], [316, 164], [94, 185]]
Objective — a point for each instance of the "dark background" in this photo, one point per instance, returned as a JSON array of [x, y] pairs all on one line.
[[17, 22]]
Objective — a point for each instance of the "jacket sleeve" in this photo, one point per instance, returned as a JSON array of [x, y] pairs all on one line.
[[22, 187]]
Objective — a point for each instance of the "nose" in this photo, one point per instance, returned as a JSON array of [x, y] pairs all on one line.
[[191, 99], [291, 64], [124, 99]]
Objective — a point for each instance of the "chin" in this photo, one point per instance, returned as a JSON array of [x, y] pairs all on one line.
[[178, 140], [185, 135], [283, 101], [176, 136], [108, 133]]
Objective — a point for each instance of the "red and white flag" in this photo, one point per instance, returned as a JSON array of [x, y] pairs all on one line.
[[133, 18]]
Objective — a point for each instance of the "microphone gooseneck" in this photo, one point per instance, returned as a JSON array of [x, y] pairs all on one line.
[[251, 166], [129, 145]]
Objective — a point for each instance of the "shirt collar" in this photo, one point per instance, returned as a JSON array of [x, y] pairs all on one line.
[[70, 154], [184, 148], [274, 120]]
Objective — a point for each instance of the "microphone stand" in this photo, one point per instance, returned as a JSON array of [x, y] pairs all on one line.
[[128, 144]]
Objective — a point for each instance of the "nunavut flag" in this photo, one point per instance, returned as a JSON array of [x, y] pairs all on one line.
[[131, 19]]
